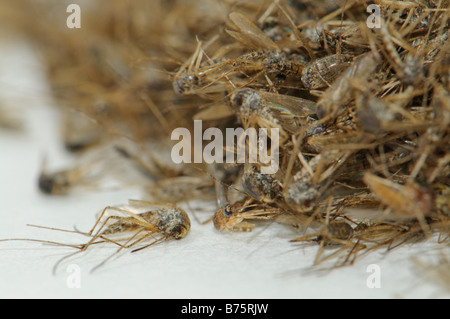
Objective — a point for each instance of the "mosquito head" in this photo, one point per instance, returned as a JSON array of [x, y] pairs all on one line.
[[226, 218], [53, 184], [178, 231]]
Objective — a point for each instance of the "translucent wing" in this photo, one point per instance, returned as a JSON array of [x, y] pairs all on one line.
[[288, 110], [288, 106], [250, 34]]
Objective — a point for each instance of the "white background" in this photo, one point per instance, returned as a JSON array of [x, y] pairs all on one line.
[[206, 264]]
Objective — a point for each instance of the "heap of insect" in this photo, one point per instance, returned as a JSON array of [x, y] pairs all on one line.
[[363, 114]]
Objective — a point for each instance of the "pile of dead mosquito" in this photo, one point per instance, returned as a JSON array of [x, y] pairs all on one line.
[[361, 100]]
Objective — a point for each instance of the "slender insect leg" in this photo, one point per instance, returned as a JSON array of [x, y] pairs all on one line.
[[153, 243], [319, 253], [122, 247]]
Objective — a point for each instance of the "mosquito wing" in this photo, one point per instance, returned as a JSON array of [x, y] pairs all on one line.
[[249, 34], [288, 110]]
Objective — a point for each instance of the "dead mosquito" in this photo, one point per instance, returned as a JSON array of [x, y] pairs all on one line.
[[129, 227], [270, 110], [336, 97]]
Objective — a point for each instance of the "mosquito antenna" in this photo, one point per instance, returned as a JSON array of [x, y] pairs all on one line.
[[76, 231], [41, 241], [153, 243], [126, 245]]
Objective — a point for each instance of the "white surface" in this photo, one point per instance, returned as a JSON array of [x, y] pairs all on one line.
[[206, 264]]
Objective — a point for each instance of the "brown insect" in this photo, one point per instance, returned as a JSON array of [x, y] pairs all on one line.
[[270, 110], [322, 72], [188, 76], [86, 172], [262, 187], [239, 216], [319, 137], [166, 219], [63, 181], [409, 199], [235, 217], [410, 71], [312, 180], [136, 223], [335, 233], [336, 97]]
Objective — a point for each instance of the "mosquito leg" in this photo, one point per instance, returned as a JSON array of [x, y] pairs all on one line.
[[120, 248], [98, 220], [319, 253], [42, 241], [153, 243]]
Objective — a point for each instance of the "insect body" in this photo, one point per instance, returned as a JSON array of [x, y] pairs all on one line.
[[324, 71], [233, 217], [410, 199], [337, 96], [163, 220], [132, 225], [410, 71], [270, 110], [61, 182], [87, 171], [170, 221], [336, 233], [302, 192], [263, 187]]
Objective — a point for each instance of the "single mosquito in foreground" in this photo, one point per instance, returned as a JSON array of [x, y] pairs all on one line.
[[132, 225]]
